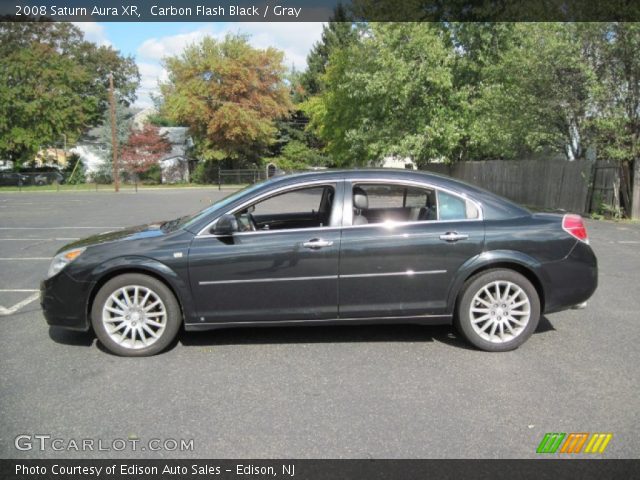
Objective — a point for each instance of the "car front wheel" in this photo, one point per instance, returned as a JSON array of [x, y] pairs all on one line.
[[135, 315], [498, 310]]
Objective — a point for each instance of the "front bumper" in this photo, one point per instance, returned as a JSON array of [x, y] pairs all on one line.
[[64, 302]]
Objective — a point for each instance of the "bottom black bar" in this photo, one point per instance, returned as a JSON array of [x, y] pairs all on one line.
[[319, 469]]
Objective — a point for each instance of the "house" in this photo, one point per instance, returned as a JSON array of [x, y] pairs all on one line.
[[175, 164], [95, 156], [6, 165], [392, 161]]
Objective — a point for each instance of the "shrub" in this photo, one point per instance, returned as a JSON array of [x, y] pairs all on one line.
[[297, 156], [205, 172], [153, 175], [74, 172]]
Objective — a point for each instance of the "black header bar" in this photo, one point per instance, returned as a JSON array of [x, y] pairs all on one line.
[[321, 10], [319, 469]]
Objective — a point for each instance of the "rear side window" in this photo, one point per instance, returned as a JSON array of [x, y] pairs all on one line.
[[376, 203], [395, 196]]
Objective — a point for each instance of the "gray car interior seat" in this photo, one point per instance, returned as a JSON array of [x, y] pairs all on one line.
[[360, 203]]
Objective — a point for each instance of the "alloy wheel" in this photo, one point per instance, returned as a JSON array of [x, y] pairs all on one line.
[[134, 316], [500, 311]]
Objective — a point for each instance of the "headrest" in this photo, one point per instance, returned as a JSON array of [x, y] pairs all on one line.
[[360, 198]]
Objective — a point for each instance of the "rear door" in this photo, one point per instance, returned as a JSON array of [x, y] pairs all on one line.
[[401, 263]]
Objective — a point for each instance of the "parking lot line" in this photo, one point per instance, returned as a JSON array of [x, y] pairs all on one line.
[[37, 239], [19, 305], [53, 228], [5, 290], [24, 258]]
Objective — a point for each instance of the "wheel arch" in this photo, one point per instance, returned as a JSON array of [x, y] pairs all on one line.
[[516, 261], [148, 267]]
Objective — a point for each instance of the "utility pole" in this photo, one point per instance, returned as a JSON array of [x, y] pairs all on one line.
[[64, 146], [114, 145], [635, 192]]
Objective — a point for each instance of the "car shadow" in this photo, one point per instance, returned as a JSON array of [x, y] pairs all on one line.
[[323, 334], [446, 334], [544, 325], [71, 337]]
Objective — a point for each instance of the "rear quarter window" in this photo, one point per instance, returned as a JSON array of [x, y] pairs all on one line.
[[452, 207]]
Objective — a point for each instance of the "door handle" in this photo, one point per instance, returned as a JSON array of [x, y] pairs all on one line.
[[453, 237], [317, 243]]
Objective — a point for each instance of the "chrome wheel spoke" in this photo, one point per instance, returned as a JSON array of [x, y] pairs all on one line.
[[127, 298], [134, 316], [483, 302], [118, 302], [149, 331], [481, 319], [487, 325], [114, 319]]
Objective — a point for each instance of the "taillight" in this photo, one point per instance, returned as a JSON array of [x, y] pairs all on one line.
[[574, 226]]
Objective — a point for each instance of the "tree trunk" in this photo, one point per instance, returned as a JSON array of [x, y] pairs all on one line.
[[635, 201]]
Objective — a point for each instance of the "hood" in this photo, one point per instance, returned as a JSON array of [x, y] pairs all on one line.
[[131, 233]]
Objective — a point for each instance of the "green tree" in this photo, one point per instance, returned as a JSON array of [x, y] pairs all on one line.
[[296, 155], [53, 82], [391, 93], [337, 34], [229, 94], [537, 95], [104, 147]]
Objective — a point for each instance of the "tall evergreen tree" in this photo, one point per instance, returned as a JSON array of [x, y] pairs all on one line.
[[337, 34]]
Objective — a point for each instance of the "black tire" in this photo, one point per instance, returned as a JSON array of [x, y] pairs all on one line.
[[173, 317], [473, 286]]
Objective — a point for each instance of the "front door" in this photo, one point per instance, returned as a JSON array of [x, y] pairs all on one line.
[[283, 266], [405, 245]]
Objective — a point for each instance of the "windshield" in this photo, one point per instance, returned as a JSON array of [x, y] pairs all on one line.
[[187, 220]]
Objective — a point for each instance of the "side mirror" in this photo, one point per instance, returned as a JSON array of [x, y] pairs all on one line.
[[226, 225]]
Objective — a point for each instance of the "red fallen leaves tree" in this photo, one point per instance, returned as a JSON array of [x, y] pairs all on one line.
[[144, 149]]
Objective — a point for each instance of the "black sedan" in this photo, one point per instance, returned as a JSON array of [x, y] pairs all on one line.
[[13, 179], [332, 247]]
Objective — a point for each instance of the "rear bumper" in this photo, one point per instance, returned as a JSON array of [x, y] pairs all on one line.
[[64, 302], [571, 281]]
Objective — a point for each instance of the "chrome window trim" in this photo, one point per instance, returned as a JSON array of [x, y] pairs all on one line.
[[348, 202], [348, 207], [203, 233], [407, 273]]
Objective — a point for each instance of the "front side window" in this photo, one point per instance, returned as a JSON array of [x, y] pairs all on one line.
[[381, 203], [308, 207]]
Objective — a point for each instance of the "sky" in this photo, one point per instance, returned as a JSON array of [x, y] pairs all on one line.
[[149, 42]]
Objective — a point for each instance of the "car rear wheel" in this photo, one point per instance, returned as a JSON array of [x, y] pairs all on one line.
[[498, 310], [135, 315]]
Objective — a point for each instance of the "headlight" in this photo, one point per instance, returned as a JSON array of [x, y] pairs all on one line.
[[63, 259]]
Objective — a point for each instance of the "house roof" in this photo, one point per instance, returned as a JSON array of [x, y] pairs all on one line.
[[175, 135]]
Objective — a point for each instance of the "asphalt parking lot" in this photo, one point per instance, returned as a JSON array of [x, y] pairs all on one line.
[[315, 392]]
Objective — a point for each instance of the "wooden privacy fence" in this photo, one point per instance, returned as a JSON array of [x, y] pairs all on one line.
[[546, 184]]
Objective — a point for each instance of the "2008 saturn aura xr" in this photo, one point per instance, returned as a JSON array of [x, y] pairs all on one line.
[[339, 247]]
